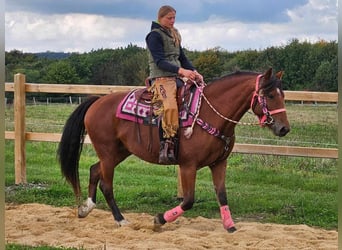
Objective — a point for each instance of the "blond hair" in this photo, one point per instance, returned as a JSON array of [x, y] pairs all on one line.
[[163, 11]]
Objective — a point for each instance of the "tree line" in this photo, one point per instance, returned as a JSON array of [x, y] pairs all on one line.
[[307, 66]]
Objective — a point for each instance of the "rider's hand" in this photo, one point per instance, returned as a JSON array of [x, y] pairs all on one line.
[[187, 73], [192, 75], [198, 77]]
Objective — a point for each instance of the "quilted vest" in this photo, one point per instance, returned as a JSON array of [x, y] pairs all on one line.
[[171, 51]]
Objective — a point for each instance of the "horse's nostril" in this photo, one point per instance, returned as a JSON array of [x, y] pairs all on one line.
[[283, 131]]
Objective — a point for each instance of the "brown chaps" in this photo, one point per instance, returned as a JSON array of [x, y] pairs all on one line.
[[165, 91]]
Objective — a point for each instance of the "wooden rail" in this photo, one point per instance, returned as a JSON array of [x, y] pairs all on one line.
[[106, 89], [20, 136], [311, 96]]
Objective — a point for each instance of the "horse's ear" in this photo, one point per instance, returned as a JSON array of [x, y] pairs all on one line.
[[268, 74], [280, 74]]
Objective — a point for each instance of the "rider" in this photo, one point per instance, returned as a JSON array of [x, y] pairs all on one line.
[[167, 61]]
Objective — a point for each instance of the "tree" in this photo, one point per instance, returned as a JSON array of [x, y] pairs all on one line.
[[208, 64], [307, 65], [248, 60], [18, 62], [82, 66], [61, 72], [134, 69], [326, 76]]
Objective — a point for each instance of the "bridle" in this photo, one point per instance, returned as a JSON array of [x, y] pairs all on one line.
[[259, 97]]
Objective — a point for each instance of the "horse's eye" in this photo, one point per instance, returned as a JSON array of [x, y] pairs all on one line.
[[270, 96]]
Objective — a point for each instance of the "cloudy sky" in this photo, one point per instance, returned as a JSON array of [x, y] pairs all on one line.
[[83, 25]]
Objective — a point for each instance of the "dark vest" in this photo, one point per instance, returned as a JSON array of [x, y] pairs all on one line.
[[172, 52]]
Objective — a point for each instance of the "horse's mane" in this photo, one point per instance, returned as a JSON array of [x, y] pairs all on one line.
[[273, 83], [239, 72], [233, 74]]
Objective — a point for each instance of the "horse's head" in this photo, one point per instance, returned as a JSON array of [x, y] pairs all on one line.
[[268, 103]]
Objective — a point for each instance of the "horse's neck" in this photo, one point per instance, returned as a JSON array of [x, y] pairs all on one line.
[[232, 96]]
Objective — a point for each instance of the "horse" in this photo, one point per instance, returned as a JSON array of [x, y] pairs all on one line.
[[223, 103]]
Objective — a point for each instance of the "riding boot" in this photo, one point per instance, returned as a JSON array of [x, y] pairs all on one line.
[[163, 153], [167, 153], [171, 150]]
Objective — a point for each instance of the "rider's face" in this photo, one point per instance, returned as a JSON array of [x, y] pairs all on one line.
[[168, 20]]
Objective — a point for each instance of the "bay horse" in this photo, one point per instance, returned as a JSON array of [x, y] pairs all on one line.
[[223, 103]]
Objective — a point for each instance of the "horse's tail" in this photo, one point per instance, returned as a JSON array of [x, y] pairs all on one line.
[[70, 146]]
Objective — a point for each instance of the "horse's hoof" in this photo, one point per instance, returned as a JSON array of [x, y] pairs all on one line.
[[231, 230], [123, 223], [86, 208], [83, 211], [159, 219]]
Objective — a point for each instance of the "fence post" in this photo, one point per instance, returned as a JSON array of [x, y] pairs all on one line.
[[179, 185], [19, 128]]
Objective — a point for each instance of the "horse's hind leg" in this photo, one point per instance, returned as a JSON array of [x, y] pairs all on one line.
[[107, 166], [218, 172], [90, 203]]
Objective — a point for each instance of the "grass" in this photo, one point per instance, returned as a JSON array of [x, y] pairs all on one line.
[[273, 189], [21, 247], [311, 126], [277, 189]]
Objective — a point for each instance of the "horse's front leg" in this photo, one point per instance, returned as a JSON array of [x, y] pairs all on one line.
[[90, 203], [218, 172], [188, 176]]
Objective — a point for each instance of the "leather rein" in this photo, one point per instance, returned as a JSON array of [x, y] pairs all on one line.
[[258, 97]]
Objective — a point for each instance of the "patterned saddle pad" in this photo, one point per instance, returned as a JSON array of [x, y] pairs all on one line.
[[137, 106]]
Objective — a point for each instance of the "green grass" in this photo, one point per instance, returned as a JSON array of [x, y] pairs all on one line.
[[271, 188], [277, 189], [311, 126], [21, 247]]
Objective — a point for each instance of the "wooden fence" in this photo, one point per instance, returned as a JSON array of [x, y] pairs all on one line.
[[20, 136]]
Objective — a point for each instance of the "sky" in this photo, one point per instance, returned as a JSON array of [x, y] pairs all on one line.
[[231, 25]]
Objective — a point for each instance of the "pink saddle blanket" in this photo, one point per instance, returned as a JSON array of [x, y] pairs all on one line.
[[132, 108]]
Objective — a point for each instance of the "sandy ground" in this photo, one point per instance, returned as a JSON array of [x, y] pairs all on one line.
[[37, 224]]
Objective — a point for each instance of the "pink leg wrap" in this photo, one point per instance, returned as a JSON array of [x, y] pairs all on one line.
[[226, 217], [173, 214]]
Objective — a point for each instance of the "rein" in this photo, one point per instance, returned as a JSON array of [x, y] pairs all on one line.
[[260, 98], [257, 98]]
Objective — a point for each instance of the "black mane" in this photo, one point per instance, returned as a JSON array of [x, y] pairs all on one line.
[[274, 82], [239, 72], [236, 73]]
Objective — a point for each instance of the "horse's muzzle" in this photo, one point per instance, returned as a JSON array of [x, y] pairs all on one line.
[[281, 130]]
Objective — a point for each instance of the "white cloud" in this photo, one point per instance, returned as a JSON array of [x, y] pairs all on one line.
[[315, 20], [317, 15], [71, 32], [312, 22]]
